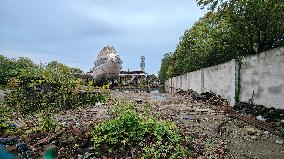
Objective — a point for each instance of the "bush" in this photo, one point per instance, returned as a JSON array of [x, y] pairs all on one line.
[[131, 133], [47, 123], [5, 122], [33, 97], [51, 87]]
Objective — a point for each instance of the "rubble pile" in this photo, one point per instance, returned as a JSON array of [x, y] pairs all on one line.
[[258, 115], [72, 136], [73, 142], [208, 98], [260, 112], [211, 134], [219, 104]]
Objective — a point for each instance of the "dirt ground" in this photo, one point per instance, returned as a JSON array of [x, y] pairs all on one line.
[[237, 138], [213, 134]]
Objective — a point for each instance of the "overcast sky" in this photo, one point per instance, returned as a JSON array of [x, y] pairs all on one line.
[[74, 31]]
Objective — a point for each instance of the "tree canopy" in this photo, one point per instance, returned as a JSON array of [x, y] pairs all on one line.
[[164, 74], [230, 29], [259, 23]]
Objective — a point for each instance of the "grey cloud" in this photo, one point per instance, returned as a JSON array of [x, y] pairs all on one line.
[[75, 30]]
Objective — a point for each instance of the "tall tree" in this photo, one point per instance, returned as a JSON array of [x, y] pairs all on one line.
[[165, 64], [259, 23], [208, 42], [229, 29]]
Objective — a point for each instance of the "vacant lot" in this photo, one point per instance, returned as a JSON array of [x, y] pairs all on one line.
[[212, 134]]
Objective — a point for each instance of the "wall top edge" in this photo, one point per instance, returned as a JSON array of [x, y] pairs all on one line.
[[281, 49]]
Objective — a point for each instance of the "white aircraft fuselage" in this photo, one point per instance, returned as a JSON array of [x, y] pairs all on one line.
[[107, 64]]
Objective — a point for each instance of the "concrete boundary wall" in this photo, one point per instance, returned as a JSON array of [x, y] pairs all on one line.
[[261, 77], [195, 81], [184, 82], [220, 79]]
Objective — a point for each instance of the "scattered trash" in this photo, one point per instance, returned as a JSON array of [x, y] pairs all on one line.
[[158, 97], [266, 132], [98, 104], [8, 140], [19, 123], [138, 101], [260, 118], [22, 147], [279, 142], [17, 145], [188, 117], [197, 116], [264, 113]]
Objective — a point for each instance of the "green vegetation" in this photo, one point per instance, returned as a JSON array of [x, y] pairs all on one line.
[[166, 68], [5, 122], [281, 131], [280, 127], [230, 29], [10, 68], [258, 23], [53, 87], [130, 133], [47, 123]]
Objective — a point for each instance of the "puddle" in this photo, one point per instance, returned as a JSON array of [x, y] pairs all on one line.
[[158, 96], [155, 91]]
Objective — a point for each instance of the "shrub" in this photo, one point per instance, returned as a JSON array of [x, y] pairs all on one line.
[[5, 122], [52, 87], [131, 133], [47, 123]]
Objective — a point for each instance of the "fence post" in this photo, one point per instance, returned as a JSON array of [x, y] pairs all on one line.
[[202, 80], [238, 66]]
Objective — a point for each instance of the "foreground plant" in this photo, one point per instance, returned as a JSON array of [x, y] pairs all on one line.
[[6, 125], [131, 134]]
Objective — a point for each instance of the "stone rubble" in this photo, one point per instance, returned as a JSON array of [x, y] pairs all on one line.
[[200, 117]]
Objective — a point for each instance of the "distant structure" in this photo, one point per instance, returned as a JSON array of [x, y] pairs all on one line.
[[134, 76], [137, 79], [107, 64], [142, 63]]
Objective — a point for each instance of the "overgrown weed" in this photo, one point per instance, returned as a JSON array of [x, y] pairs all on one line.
[[132, 132]]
